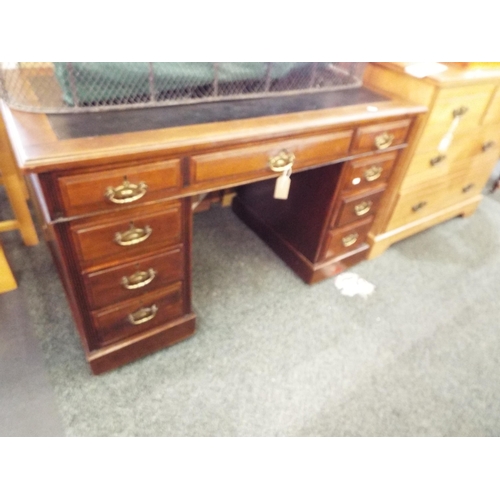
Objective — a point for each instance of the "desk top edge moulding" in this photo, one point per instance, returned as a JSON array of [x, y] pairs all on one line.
[[114, 192]]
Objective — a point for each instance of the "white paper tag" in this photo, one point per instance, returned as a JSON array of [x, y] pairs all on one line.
[[351, 284], [282, 187]]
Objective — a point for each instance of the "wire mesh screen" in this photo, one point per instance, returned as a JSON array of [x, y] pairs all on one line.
[[62, 87]]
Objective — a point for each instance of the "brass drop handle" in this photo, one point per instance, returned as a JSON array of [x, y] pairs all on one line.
[[467, 188], [373, 173], [487, 145], [419, 206], [138, 279], [282, 162], [143, 315], [383, 141], [350, 239], [362, 208], [126, 192], [460, 111], [437, 159], [133, 235]]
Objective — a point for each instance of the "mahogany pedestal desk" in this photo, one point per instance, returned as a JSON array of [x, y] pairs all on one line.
[[115, 190]]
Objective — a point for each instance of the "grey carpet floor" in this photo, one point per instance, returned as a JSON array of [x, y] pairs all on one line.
[[275, 357]]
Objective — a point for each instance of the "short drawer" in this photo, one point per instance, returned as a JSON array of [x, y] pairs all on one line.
[[254, 162], [380, 136], [133, 317], [130, 234], [129, 281], [493, 112], [467, 105], [358, 206], [120, 187], [369, 172], [347, 239]]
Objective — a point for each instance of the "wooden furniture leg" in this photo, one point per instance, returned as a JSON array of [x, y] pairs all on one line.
[[16, 192], [7, 281]]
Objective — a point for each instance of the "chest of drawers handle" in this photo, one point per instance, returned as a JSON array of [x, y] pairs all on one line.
[[143, 315], [373, 173], [362, 208], [133, 235], [383, 141], [467, 188], [488, 145], [460, 111], [282, 162], [138, 279], [126, 192], [419, 206], [437, 160]]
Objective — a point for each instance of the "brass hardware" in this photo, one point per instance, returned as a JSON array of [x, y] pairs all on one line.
[[350, 239], [126, 192], [138, 279], [488, 145], [383, 141], [419, 206], [282, 162], [460, 111], [143, 315], [437, 159], [133, 235], [373, 173], [467, 188], [362, 208]]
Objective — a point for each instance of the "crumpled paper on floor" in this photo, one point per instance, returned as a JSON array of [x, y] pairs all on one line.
[[351, 284]]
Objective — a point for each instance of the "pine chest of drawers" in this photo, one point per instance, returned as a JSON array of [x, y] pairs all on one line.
[[454, 152]]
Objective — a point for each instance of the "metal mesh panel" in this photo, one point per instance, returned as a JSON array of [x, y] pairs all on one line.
[[63, 87]]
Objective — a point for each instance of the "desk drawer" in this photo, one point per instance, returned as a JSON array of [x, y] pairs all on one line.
[[121, 187], [358, 206], [248, 163], [130, 234], [129, 281], [133, 317], [369, 172], [380, 136], [347, 239]]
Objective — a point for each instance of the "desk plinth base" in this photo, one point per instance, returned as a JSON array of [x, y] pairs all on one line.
[[309, 272], [131, 349]]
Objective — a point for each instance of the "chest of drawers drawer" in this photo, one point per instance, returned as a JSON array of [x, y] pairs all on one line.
[[128, 281], [136, 316], [128, 234], [120, 187], [257, 161]]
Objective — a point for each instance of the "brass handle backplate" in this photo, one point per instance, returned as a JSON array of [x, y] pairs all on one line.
[[350, 239], [467, 188], [362, 208], [143, 315], [373, 173], [126, 192], [460, 111], [419, 206], [383, 141], [138, 279], [487, 145], [437, 159], [133, 235], [282, 162]]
